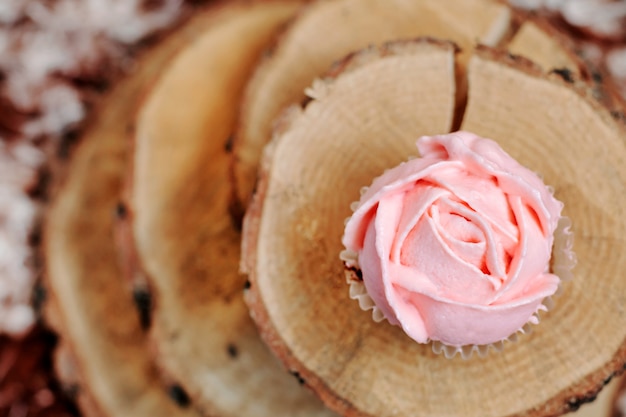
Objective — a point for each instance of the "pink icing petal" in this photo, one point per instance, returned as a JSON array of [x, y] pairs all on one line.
[[453, 277], [416, 201], [462, 236], [375, 255], [458, 324], [396, 180], [380, 235], [371, 268], [386, 225], [484, 196], [484, 156], [401, 302], [496, 269], [532, 257]]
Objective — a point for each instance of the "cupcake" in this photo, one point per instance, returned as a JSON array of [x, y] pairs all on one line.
[[455, 246]]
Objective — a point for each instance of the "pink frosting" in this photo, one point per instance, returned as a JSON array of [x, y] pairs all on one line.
[[455, 246]]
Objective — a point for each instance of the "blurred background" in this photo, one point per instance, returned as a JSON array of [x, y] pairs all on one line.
[[57, 59]]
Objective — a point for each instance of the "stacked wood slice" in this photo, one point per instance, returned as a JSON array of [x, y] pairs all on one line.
[[306, 103]]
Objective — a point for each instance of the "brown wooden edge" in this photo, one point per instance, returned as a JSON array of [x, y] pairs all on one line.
[[597, 76], [616, 410], [70, 375], [557, 33], [613, 110], [237, 205]]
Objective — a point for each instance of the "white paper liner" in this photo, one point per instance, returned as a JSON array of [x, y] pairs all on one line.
[[562, 262]]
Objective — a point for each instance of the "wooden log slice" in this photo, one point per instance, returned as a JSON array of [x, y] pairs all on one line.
[[367, 120], [103, 357], [554, 47], [184, 239], [547, 47], [579, 149], [327, 31]]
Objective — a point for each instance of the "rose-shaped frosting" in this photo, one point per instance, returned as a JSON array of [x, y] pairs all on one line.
[[455, 246]]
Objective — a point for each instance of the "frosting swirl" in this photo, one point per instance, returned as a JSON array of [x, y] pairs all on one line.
[[455, 246]]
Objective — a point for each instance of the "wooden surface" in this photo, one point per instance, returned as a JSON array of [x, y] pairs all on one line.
[[184, 237], [327, 31], [187, 239], [344, 138], [103, 353]]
